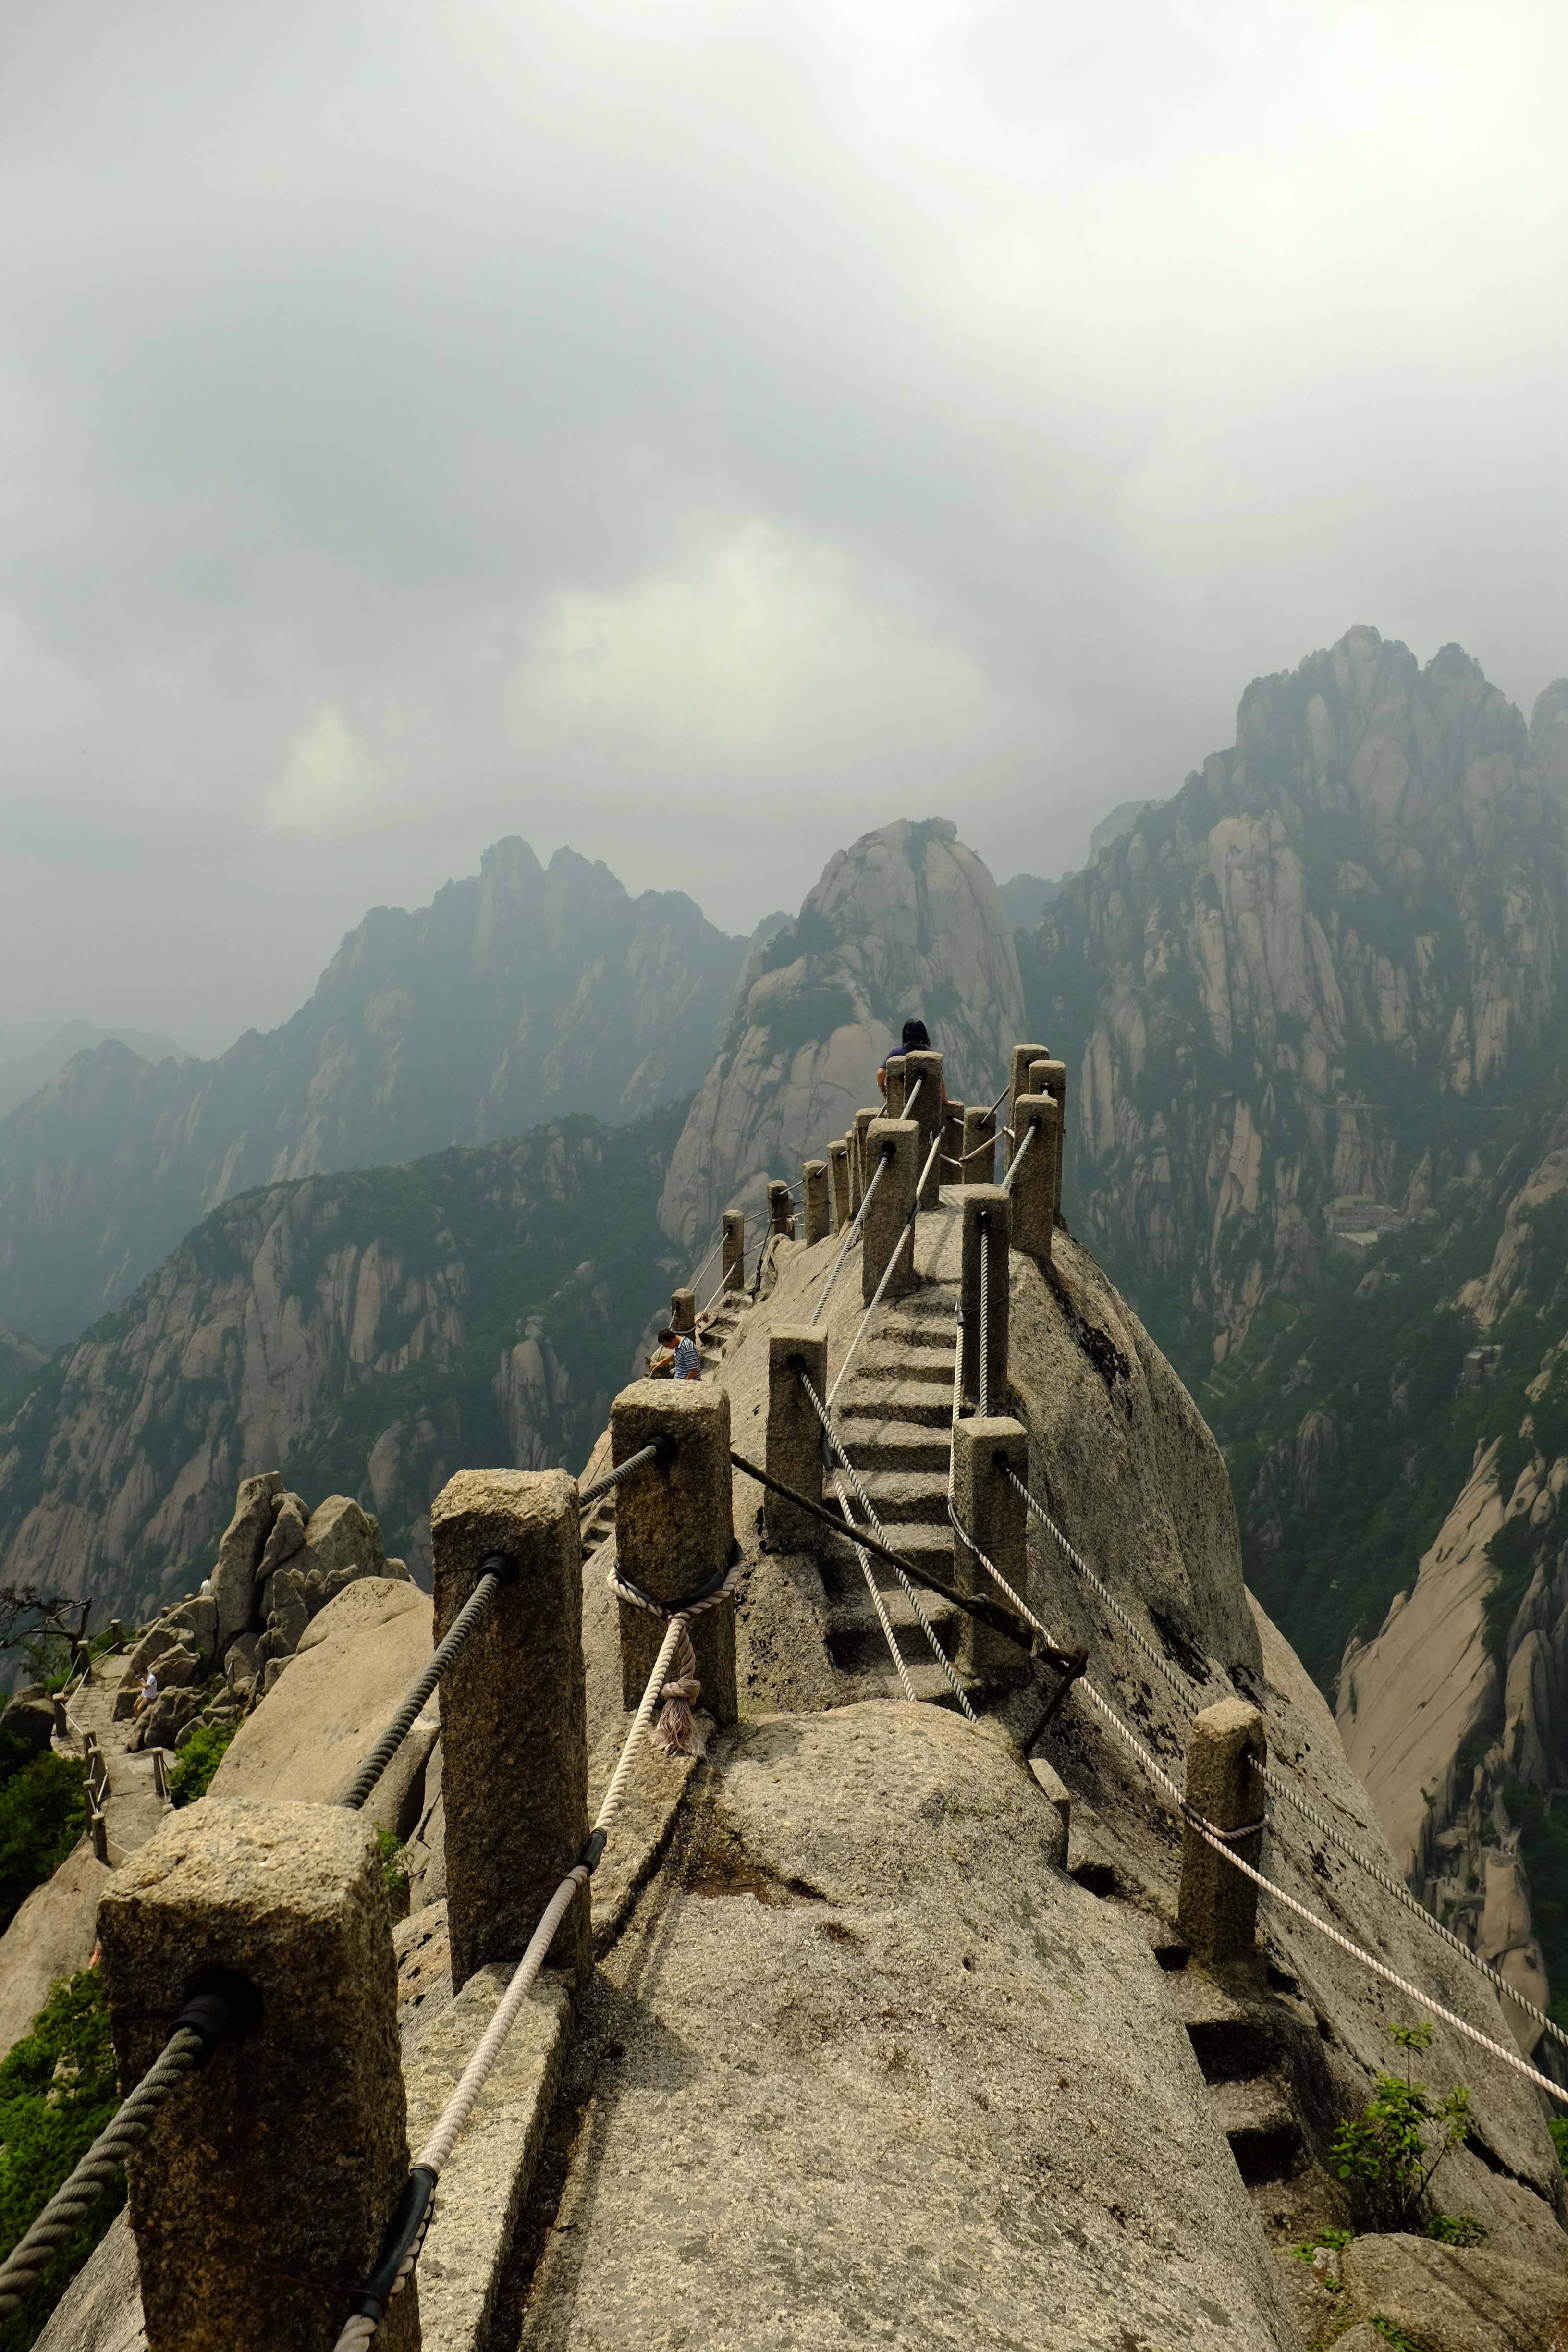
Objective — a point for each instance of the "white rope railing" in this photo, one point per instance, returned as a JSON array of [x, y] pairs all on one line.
[[1012, 1164], [878, 1603], [1280, 1788], [906, 1236], [437, 2151], [954, 1679], [826, 1292]]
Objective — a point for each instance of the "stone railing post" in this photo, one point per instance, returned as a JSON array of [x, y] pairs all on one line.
[[674, 1528], [979, 1127], [814, 1196], [97, 1831], [781, 1209], [1033, 1194], [794, 1452], [514, 1766], [1049, 1078], [838, 1172], [1023, 1059], [897, 1141], [1217, 1908], [734, 1249], [863, 1119], [992, 1511], [927, 1114], [986, 1208], [951, 1164], [258, 2200], [683, 1311], [894, 1089]]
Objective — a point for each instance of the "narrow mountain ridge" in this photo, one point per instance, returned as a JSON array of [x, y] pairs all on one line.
[[522, 994]]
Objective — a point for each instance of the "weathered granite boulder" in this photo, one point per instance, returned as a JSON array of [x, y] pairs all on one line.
[[1454, 2299], [195, 1622], [167, 1716], [287, 1535], [320, 1720], [29, 1717], [239, 1553], [50, 1938], [341, 1542]]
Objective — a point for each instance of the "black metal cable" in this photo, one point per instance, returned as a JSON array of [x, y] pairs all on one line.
[[622, 1470], [496, 1569], [208, 2022]]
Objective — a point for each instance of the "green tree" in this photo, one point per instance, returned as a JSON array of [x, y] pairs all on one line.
[[1387, 2155], [43, 1811], [57, 2093]]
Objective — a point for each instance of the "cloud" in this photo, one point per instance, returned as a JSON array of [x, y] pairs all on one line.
[[624, 423], [328, 781]]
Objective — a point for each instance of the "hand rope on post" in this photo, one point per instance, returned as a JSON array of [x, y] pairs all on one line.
[[826, 1292], [878, 1603], [622, 1470], [1017, 1156], [984, 1285], [950, 1671], [907, 1235], [710, 1259], [496, 1569], [411, 2216], [1220, 1840], [1280, 1788], [202, 2026]]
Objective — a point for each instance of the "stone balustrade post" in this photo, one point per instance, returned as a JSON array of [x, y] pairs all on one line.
[[674, 1528], [979, 1127], [1034, 1192], [794, 1452], [838, 1173], [991, 1510], [1049, 1078], [261, 2196], [97, 1831], [1022, 1061], [897, 1141], [863, 1119], [1216, 1910], [683, 1311], [925, 1069], [781, 1210], [894, 1089], [734, 1249], [514, 1763], [814, 1195], [951, 1164], [986, 1209]]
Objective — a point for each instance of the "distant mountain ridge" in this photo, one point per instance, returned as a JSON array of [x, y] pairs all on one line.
[[523, 994], [30, 1058], [368, 1331], [1319, 971]]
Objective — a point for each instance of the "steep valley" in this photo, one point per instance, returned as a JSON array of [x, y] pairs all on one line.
[[368, 1333]]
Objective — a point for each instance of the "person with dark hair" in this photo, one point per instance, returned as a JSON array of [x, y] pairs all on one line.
[[686, 1361], [916, 1039]]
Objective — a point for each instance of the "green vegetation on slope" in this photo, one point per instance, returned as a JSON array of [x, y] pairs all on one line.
[[42, 1814], [57, 2093]]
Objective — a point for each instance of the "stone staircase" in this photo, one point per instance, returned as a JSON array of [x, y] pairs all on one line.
[[1237, 2045], [895, 1412]]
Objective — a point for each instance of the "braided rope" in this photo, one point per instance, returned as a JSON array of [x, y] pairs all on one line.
[[984, 1286], [1017, 1156], [878, 1603], [1280, 1788], [906, 1234], [612, 1478], [948, 1670], [358, 2331], [465, 1626], [676, 1733], [185, 2050], [853, 1227]]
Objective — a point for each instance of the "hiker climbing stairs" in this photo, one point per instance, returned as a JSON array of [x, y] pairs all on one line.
[[895, 1413]]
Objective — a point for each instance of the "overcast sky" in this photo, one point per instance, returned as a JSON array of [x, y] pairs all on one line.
[[698, 433]]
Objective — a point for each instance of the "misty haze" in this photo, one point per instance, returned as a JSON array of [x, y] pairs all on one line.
[[784, 1116]]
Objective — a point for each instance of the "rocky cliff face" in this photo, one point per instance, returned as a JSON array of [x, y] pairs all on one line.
[[1312, 976], [367, 1332], [521, 994], [907, 922]]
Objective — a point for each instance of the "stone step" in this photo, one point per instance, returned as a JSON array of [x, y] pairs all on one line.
[[881, 1360], [906, 1497], [874, 1443], [927, 1403], [1257, 2119]]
